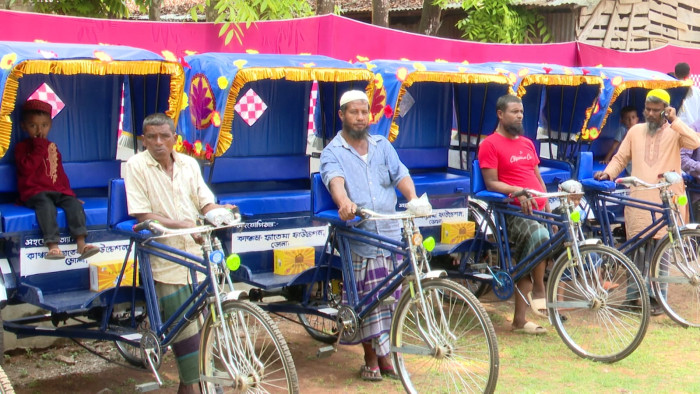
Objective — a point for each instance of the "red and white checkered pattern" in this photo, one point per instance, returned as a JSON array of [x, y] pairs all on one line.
[[46, 94], [250, 107], [696, 79], [312, 108]]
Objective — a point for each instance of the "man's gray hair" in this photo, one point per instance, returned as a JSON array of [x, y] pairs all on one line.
[[159, 119], [656, 100]]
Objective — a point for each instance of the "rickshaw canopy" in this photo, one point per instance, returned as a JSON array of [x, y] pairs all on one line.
[[267, 104], [431, 98], [629, 86], [85, 85]]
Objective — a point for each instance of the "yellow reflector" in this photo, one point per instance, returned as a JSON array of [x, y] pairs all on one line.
[[682, 200], [575, 216], [233, 262], [429, 244]]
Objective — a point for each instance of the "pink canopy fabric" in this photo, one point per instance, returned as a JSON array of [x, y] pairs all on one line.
[[329, 35]]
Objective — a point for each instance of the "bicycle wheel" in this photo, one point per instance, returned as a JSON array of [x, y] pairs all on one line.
[[675, 277], [123, 320], [5, 384], [599, 305], [452, 347], [320, 328], [256, 353]]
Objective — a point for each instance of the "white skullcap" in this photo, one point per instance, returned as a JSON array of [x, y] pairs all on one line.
[[352, 95]]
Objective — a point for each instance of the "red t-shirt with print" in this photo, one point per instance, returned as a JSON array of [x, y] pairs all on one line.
[[515, 160]]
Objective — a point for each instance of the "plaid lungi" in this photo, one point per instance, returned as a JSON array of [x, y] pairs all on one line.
[[376, 325], [186, 345]]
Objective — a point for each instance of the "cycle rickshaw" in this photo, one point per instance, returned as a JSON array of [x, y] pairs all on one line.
[[111, 297]]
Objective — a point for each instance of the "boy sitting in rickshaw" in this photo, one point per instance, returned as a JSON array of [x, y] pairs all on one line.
[[43, 185]]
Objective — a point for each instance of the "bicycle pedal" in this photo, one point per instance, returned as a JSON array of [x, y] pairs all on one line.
[[325, 351], [483, 276], [388, 301], [146, 387]]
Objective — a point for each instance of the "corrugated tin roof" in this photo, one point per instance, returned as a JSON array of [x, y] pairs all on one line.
[[179, 7], [556, 3]]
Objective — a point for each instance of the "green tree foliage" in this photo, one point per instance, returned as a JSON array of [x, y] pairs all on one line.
[[500, 21], [232, 12], [87, 8]]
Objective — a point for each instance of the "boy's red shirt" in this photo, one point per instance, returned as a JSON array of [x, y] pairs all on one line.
[[39, 168]]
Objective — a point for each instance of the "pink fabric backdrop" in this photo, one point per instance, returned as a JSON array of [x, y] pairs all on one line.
[[330, 35]]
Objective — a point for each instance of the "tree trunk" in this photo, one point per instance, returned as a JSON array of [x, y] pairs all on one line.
[[210, 12], [380, 13], [154, 10], [324, 7], [430, 18]]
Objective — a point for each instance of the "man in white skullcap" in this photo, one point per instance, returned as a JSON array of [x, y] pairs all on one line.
[[362, 170]]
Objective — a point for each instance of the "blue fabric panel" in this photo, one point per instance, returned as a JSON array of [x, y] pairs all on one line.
[[554, 176], [423, 157], [8, 178], [282, 128], [477, 179], [92, 174], [429, 121], [475, 105], [585, 165], [321, 199], [117, 210], [86, 128], [261, 203], [17, 218], [435, 183], [147, 94], [327, 120], [262, 168]]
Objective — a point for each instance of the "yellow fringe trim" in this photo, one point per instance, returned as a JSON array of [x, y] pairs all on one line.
[[647, 84], [568, 80], [437, 76], [92, 67], [246, 75], [549, 79]]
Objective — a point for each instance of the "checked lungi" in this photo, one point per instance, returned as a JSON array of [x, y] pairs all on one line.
[[186, 345], [376, 325]]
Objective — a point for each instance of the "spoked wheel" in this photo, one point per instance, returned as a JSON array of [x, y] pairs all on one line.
[[131, 353], [321, 328], [254, 351], [5, 384], [599, 305], [675, 277], [452, 347]]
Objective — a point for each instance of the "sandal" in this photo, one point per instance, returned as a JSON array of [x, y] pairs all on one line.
[[389, 372], [370, 374], [55, 254], [89, 251]]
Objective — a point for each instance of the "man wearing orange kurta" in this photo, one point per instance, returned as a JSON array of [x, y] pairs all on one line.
[[653, 148]]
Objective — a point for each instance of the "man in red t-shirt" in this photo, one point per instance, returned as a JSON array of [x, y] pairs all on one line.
[[509, 163], [43, 184]]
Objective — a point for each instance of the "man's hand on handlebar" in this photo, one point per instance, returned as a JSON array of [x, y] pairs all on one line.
[[601, 176], [347, 210]]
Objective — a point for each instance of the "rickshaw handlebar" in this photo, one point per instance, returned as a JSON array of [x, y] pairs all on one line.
[[666, 179]]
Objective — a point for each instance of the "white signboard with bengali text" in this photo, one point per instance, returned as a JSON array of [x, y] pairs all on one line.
[[440, 215], [32, 259], [255, 241]]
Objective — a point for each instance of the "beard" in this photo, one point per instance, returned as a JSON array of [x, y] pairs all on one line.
[[514, 129], [356, 134], [653, 127]]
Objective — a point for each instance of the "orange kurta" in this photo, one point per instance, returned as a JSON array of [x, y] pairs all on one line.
[[651, 156]]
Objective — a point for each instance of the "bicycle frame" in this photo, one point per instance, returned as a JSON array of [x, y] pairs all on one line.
[[664, 214]]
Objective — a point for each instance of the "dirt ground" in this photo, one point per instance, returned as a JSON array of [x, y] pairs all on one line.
[[69, 368]]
